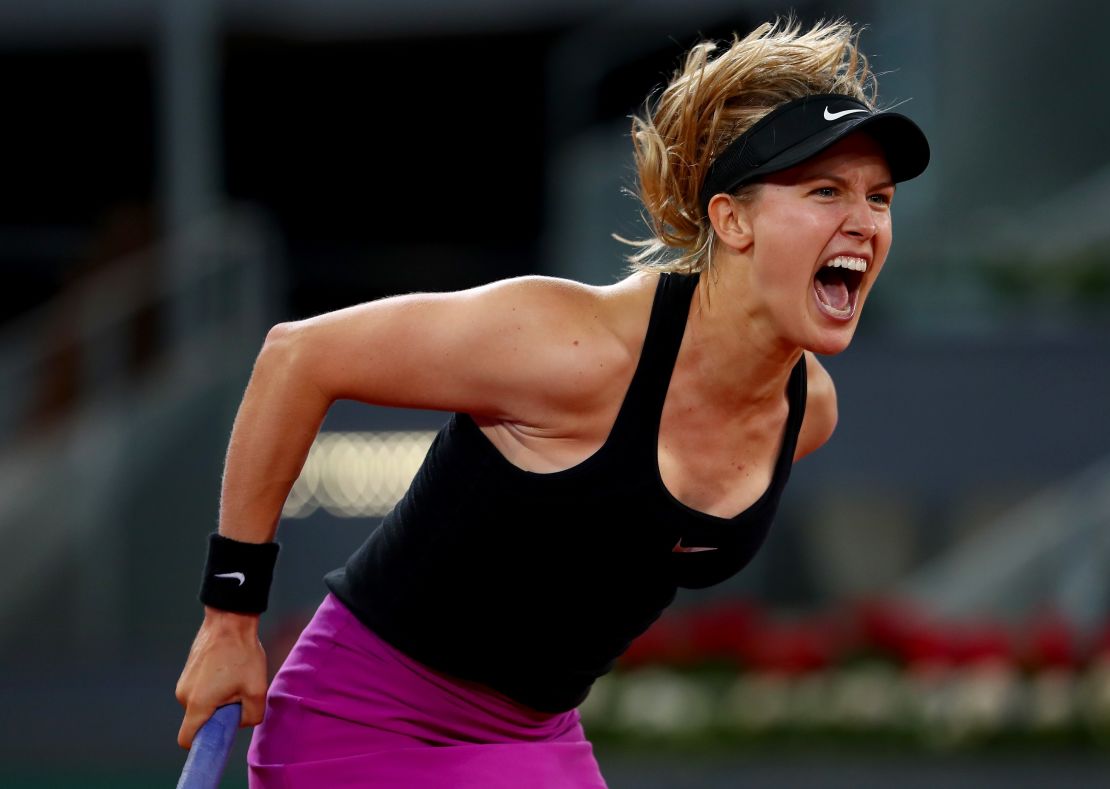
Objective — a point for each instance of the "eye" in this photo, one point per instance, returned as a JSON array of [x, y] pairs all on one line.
[[825, 191], [880, 199]]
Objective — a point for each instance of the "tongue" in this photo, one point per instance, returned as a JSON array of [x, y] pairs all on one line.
[[834, 293]]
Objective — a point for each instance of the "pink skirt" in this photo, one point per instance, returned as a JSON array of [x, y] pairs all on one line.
[[348, 710]]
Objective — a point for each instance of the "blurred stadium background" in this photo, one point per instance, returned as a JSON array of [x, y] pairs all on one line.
[[933, 607]]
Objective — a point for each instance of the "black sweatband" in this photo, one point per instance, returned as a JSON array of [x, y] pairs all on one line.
[[802, 128], [237, 575]]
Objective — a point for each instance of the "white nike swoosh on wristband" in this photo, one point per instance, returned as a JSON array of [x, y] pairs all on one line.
[[236, 576], [832, 116]]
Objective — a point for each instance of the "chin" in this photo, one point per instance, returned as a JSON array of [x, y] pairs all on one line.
[[829, 336], [830, 345]]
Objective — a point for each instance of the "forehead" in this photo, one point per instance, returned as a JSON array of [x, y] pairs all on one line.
[[856, 156]]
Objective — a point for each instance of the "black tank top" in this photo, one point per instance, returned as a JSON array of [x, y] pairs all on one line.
[[535, 583]]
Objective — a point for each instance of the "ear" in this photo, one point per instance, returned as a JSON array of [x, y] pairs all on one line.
[[731, 219]]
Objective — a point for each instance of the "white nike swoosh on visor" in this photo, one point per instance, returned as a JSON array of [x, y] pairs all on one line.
[[235, 576], [832, 116], [680, 548]]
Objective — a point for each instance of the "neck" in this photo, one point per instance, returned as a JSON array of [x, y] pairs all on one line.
[[730, 346]]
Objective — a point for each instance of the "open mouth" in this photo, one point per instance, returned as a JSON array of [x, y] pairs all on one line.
[[836, 285]]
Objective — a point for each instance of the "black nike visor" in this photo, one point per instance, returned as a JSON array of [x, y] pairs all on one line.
[[799, 129]]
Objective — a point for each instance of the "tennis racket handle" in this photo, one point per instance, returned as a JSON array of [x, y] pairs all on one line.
[[211, 747]]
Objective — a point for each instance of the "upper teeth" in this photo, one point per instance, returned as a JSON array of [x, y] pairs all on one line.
[[843, 261]]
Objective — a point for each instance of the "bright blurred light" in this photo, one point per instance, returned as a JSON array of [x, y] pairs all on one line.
[[357, 475], [944, 707]]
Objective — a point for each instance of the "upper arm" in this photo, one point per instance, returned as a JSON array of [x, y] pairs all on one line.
[[507, 350], [821, 411]]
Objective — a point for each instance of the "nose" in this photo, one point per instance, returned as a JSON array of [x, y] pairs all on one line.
[[860, 221]]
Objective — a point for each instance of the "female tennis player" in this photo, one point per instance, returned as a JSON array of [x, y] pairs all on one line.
[[609, 444]]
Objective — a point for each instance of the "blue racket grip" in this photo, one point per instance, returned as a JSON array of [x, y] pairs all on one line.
[[211, 747]]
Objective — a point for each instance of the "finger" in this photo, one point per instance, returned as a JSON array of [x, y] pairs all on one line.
[[254, 708], [181, 693], [194, 718]]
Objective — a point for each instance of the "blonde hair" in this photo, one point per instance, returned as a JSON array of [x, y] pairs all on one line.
[[712, 101]]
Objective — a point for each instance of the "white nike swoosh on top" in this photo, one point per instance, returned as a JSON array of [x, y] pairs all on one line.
[[236, 576], [832, 116], [680, 548]]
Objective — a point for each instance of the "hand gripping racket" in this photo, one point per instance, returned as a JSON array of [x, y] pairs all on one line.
[[211, 747]]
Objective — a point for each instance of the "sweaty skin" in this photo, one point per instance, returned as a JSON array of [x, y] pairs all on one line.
[[542, 365]]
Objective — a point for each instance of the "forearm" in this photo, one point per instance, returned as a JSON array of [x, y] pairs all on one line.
[[278, 420]]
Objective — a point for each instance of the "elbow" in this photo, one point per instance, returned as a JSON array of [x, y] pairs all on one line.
[[280, 346], [284, 356], [280, 334]]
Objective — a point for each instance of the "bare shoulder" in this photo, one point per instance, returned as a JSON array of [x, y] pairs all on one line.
[[528, 350], [585, 344], [821, 409], [583, 340], [576, 302], [819, 383], [548, 303]]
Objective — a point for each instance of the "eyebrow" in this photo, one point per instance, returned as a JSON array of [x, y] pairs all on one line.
[[843, 182]]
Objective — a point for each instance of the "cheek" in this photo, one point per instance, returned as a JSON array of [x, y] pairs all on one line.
[[883, 239], [793, 238], [882, 248]]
